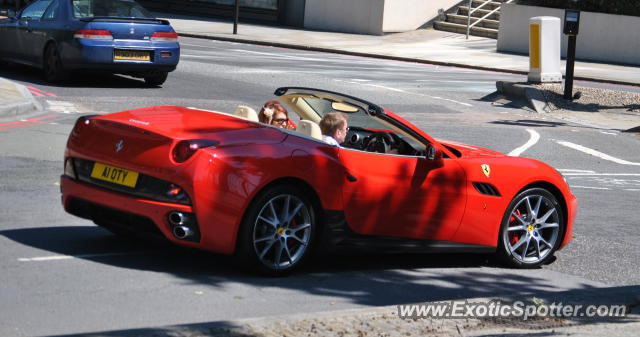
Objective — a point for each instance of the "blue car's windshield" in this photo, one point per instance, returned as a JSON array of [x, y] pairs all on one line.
[[110, 8]]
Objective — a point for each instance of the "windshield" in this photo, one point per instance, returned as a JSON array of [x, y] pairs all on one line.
[[112, 8], [357, 118]]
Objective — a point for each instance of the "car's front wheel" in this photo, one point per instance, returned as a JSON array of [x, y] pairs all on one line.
[[278, 230], [155, 79], [53, 69], [531, 229]]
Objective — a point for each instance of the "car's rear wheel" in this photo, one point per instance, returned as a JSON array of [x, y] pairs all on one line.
[[531, 229], [278, 231], [156, 79], [53, 69]]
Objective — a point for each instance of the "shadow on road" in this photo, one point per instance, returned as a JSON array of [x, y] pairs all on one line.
[[530, 123], [85, 79], [374, 280]]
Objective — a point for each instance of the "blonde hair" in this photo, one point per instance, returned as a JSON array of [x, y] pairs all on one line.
[[332, 122]]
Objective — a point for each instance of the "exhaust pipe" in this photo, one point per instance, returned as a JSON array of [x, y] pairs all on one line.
[[177, 218], [182, 232]]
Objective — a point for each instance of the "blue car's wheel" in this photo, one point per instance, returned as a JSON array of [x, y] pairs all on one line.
[[156, 79], [53, 70]]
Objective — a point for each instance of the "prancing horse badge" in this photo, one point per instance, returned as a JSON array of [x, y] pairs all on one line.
[[486, 169]]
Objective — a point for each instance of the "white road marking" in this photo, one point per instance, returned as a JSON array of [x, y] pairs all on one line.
[[632, 189], [576, 171], [199, 56], [79, 256], [602, 174], [608, 133], [535, 137], [360, 80], [62, 107], [198, 45], [457, 81], [595, 153], [417, 94], [280, 55], [591, 188]]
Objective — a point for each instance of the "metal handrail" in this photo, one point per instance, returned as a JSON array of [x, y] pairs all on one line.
[[469, 12]]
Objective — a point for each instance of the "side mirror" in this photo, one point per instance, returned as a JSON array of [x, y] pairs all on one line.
[[434, 154]]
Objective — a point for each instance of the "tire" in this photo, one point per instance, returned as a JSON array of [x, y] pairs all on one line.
[[272, 240], [531, 230], [156, 79], [53, 69]]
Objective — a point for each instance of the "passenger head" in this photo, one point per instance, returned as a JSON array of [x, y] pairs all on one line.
[[275, 114], [334, 124]]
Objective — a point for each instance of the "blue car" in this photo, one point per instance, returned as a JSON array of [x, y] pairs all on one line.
[[118, 36]]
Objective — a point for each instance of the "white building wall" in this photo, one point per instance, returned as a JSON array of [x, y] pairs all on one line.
[[602, 37], [374, 17], [407, 15]]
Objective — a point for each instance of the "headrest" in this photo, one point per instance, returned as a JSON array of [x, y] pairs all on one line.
[[310, 129], [246, 113]]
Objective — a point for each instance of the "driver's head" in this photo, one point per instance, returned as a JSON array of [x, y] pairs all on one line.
[[334, 124]]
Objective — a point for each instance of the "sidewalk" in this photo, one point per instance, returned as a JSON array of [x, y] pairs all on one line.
[[16, 100], [384, 321], [423, 45]]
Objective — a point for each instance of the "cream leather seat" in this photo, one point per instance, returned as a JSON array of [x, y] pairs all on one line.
[[246, 112], [310, 129]]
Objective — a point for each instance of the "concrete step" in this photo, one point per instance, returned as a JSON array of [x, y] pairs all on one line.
[[463, 10], [461, 19], [462, 29], [491, 5]]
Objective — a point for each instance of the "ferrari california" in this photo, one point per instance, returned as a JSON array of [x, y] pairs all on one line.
[[118, 36], [226, 183]]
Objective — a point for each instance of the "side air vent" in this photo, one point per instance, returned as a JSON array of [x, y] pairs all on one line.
[[486, 188]]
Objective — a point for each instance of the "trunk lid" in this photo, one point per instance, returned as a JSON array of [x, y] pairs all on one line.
[[129, 29], [146, 137]]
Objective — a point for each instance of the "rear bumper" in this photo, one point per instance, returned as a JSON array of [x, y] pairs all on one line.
[[99, 55], [120, 210]]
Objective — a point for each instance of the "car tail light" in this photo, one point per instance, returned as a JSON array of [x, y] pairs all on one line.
[[164, 37], [69, 170], [186, 148], [81, 124], [95, 34]]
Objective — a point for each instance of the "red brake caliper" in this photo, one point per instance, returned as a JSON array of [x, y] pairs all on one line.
[[513, 236]]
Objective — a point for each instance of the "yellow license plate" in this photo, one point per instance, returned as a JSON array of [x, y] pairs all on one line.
[[114, 175], [132, 55]]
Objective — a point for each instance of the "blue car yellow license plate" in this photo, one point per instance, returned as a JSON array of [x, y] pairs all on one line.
[[132, 55], [114, 175]]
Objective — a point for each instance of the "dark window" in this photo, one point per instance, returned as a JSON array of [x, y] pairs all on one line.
[[35, 10], [110, 8], [52, 12]]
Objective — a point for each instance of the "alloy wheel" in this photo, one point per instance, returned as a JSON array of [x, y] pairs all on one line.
[[282, 232], [533, 229]]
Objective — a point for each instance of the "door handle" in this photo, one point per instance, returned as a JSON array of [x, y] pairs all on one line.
[[351, 178]]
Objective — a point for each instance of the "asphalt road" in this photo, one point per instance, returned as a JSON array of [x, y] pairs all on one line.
[[63, 275]]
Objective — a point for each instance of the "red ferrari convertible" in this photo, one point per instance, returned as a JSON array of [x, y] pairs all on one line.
[[224, 182]]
